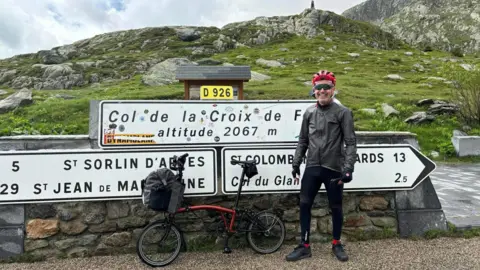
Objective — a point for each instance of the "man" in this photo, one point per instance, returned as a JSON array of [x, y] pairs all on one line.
[[326, 126]]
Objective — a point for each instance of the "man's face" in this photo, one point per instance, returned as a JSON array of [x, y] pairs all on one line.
[[324, 91]]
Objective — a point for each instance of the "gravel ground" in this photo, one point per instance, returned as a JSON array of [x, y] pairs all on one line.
[[441, 253]]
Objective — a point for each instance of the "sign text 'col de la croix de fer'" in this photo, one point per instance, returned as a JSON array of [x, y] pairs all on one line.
[[199, 123]]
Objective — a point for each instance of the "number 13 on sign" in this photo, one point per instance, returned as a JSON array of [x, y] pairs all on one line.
[[216, 92]]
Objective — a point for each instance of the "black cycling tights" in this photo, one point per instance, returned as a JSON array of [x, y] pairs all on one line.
[[312, 179]]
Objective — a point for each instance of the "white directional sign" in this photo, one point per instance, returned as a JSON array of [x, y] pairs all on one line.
[[82, 175], [143, 124], [378, 167]]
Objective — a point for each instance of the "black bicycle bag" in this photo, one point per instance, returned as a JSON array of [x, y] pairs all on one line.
[[162, 191]]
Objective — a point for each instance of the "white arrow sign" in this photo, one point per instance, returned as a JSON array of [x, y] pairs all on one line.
[[378, 167], [83, 175], [143, 124]]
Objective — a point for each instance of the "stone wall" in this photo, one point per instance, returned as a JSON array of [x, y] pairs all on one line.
[[111, 227]]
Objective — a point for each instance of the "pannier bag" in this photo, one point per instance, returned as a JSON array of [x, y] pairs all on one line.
[[162, 191]]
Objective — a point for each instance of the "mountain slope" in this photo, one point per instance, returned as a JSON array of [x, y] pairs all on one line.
[[375, 11], [445, 24], [380, 78], [123, 54]]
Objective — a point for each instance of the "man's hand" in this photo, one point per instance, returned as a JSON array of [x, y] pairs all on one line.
[[296, 172], [346, 177]]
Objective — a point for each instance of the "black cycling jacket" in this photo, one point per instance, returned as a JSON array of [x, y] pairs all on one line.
[[324, 131]]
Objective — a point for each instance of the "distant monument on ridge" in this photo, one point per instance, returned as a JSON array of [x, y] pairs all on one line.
[[312, 5]]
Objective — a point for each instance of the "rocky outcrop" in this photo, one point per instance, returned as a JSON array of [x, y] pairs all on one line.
[[420, 118], [308, 24], [444, 24], [188, 34], [269, 63], [164, 73], [304, 24], [7, 75], [18, 99], [375, 11], [435, 107]]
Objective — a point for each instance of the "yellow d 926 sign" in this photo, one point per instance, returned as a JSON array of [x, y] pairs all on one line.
[[216, 92]]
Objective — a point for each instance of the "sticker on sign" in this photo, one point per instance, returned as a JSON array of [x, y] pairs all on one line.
[[378, 167], [60, 175], [143, 124]]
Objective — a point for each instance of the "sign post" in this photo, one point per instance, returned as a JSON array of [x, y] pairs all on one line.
[[195, 77], [62, 175], [378, 167], [147, 124]]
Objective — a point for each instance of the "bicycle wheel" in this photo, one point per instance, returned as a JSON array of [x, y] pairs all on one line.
[[269, 229], [159, 239]]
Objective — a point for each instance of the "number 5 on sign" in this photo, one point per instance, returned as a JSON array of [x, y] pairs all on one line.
[[216, 92]]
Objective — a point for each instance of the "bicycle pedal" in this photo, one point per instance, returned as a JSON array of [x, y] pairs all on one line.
[[227, 250]]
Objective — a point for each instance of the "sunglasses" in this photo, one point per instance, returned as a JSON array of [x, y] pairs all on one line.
[[323, 86]]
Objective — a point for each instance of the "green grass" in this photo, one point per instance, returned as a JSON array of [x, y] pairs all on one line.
[[362, 87], [452, 231], [23, 258]]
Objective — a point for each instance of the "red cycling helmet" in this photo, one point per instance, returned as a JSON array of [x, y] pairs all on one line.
[[324, 75]]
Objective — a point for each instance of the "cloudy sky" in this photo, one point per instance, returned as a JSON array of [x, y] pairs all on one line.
[[27, 26]]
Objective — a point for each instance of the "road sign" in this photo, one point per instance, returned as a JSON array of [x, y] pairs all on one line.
[[378, 167], [83, 175], [216, 92], [195, 123]]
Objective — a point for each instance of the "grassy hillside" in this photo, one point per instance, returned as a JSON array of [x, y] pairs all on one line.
[[361, 84]]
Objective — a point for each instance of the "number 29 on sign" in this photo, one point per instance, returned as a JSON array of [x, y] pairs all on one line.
[[216, 92]]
